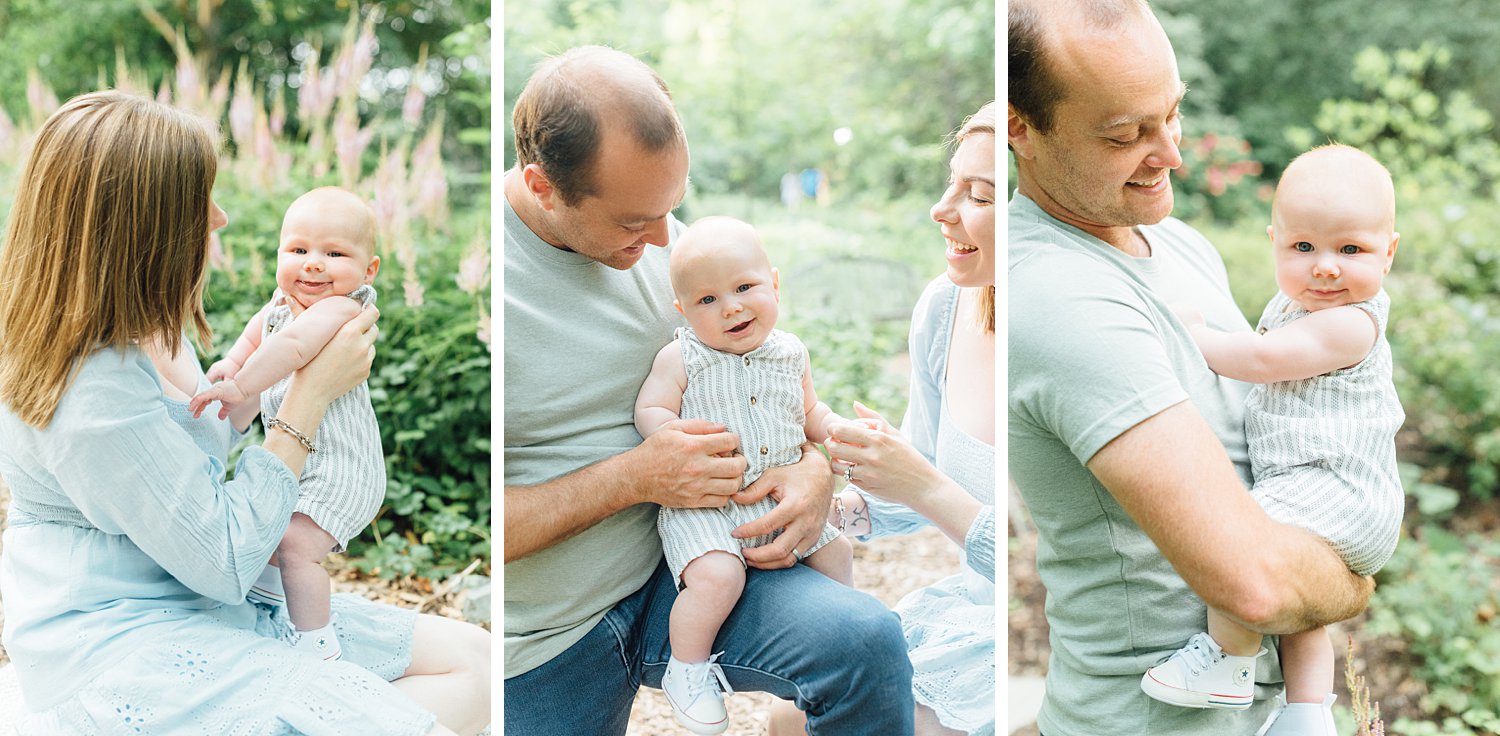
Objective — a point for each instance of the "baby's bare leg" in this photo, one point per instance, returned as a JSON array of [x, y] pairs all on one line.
[[711, 586], [301, 555], [835, 559], [1232, 637], [1307, 665]]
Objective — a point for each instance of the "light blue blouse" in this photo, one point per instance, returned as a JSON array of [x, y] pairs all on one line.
[[924, 424], [125, 567]]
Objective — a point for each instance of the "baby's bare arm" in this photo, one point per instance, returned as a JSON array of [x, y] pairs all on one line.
[[243, 348], [660, 399], [1321, 342], [820, 418], [291, 348]]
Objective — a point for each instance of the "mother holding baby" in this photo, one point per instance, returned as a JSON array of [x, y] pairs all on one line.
[[939, 468], [128, 554]]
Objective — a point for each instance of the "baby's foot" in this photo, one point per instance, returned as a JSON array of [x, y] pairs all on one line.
[[693, 691], [1201, 675]]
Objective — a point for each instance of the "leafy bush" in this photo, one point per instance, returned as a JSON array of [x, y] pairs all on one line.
[[1441, 597]]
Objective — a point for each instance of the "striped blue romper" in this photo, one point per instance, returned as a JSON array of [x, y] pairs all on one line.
[[757, 396], [1323, 449], [343, 483]]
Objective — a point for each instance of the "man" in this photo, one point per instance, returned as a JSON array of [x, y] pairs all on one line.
[[1129, 452], [601, 162]]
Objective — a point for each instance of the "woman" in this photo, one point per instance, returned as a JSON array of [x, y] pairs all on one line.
[[940, 468], [128, 555]]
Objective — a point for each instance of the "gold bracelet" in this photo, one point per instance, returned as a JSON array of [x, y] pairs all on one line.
[[277, 423]]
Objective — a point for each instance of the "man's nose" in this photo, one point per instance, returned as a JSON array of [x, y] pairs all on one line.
[[1165, 153], [656, 232]]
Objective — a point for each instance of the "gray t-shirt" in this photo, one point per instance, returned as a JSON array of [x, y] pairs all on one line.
[[579, 340], [1093, 351]]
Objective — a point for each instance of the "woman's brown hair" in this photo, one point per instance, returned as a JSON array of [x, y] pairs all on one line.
[[983, 122], [107, 242]]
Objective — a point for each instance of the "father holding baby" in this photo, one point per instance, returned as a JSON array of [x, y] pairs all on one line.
[[1129, 451], [601, 162]]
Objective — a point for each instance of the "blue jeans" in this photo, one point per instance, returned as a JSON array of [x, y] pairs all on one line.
[[836, 652]]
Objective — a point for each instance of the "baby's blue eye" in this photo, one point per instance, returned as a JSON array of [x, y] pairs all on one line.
[[1303, 246], [1349, 250], [706, 300], [743, 288]]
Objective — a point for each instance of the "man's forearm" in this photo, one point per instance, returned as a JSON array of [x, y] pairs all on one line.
[[1305, 584], [539, 516]]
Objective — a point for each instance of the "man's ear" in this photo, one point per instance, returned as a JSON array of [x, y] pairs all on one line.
[[1018, 133], [540, 186], [372, 269]]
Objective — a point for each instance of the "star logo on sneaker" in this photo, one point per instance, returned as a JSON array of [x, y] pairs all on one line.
[[1242, 675]]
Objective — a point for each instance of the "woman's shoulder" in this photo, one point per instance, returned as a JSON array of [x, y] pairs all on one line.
[[110, 381], [937, 301]]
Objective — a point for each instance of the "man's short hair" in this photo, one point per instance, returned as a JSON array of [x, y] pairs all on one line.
[[560, 116], [1034, 87]]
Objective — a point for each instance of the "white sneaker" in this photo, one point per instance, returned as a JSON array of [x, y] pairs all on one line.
[[321, 643], [1201, 675], [693, 691], [1300, 719]]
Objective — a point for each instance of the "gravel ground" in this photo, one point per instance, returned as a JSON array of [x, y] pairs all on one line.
[[886, 568]]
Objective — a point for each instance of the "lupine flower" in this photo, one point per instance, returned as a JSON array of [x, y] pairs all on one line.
[[474, 270]]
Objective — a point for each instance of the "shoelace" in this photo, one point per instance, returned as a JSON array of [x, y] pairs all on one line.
[[697, 676], [1198, 654]]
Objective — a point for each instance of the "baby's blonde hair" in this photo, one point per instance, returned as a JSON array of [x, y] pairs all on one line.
[[107, 242]]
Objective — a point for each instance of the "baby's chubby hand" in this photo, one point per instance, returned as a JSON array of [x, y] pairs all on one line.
[[226, 392], [222, 370]]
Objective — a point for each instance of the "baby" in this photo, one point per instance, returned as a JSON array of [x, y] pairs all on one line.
[[1320, 421], [324, 267], [730, 366]]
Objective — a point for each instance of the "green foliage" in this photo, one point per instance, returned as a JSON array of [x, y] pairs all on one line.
[[762, 86], [1441, 597], [1425, 140]]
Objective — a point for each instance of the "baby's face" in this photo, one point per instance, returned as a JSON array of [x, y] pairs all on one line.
[[325, 251], [1331, 247], [729, 294]]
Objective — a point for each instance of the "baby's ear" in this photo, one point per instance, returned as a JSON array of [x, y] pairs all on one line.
[[1390, 255], [776, 282], [678, 303], [1271, 232], [372, 269]]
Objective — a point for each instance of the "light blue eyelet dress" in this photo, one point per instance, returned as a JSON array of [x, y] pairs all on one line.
[[949, 625], [124, 571]]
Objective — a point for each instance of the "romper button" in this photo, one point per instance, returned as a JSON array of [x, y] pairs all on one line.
[[764, 450], [752, 401], [747, 361]]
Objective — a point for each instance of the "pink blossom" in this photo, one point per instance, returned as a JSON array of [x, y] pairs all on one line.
[[483, 333], [411, 107], [473, 271], [1216, 184], [412, 290], [43, 102], [242, 115]]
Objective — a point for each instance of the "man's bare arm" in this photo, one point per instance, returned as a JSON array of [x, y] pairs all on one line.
[[1171, 474], [677, 466]]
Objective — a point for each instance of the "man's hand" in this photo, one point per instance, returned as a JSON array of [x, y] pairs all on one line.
[[688, 463], [802, 492]]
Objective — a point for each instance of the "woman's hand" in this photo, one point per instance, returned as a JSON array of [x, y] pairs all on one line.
[[883, 460], [345, 361]]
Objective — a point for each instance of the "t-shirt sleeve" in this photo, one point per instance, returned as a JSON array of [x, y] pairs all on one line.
[[1086, 356], [131, 470]]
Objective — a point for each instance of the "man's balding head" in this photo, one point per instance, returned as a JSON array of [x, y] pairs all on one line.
[[561, 116], [1034, 86]]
